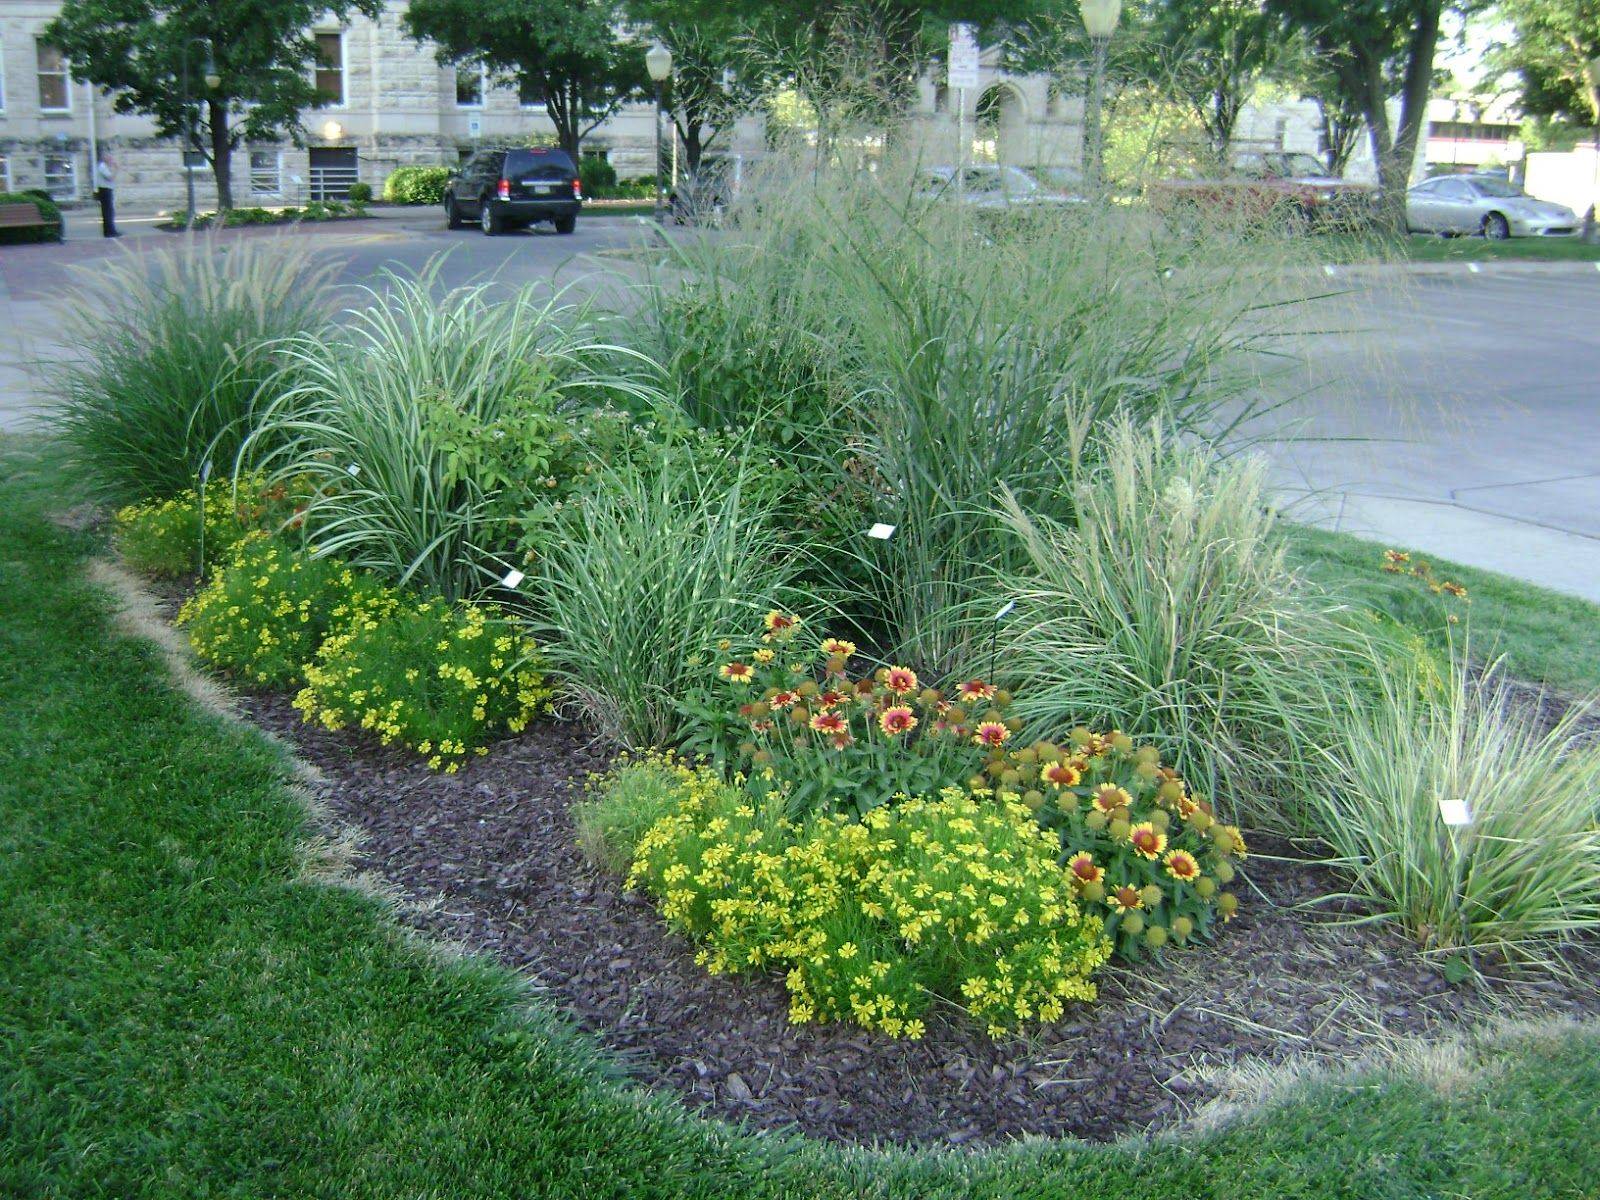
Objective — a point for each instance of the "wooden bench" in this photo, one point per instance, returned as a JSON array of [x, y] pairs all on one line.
[[25, 215]]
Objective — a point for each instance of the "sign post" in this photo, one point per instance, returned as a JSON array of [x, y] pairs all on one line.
[[961, 73]]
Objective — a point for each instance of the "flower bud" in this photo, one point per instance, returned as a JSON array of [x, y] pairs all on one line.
[[1155, 937], [1160, 819], [1121, 743], [1002, 698], [1081, 736], [1120, 829], [1094, 891], [1096, 820], [1133, 923], [1182, 927], [1206, 887], [1171, 791], [808, 689], [1148, 756], [1034, 799], [1227, 904], [1224, 871], [1151, 895]]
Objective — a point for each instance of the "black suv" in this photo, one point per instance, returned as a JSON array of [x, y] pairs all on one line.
[[510, 189]]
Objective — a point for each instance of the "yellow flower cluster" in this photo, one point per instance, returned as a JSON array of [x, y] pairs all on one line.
[[438, 677], [162, 537], [870, 919], [263, 616]]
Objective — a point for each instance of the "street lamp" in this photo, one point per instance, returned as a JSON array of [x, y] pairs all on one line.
[[1592, 70], [658, 62], [212, 81], [1100, 21]]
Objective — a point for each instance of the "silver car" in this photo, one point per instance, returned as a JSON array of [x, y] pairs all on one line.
[[1482, 204], [989, 186]]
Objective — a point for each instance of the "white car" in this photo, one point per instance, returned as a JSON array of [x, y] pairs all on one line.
[[1457, 204]]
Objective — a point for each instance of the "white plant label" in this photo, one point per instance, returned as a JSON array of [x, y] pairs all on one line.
[[1455, 812], [1006, 611], [1329, 271], [881, 532], [512, 579], [1474, 268], [353, 470], [205, 471]]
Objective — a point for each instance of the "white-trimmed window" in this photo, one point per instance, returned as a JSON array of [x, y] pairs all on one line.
[[530, 93], [330, 67], [55, 82], [472, 84], [61, 176], [266, 173]]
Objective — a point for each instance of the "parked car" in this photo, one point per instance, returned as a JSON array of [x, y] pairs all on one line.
[[985, 185], [1274, 187], [1458, 204], [514, 188]]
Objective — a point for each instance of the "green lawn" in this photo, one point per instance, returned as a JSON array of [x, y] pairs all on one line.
[[1544, 636], [183, 1013], [1421, 247]]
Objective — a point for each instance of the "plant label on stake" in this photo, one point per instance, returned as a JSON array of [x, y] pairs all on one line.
[[1455, 813], [881, 532], [511, 579], [353, 470], [205, 476]]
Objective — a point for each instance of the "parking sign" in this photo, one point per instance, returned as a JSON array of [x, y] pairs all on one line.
[[963, 64]]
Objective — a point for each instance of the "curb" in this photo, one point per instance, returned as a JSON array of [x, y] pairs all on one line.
[[1499, 266]]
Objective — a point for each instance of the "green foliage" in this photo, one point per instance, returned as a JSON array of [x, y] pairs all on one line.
[[416, 185], [167, 355], [619, 808], [1550, 47], [1165, 608], [141, 50], [265, 614], [360, 194], [1519, 881], [440, 678], [162, 537], [317, 210], [642, 570], [953, 898], [395, 418], [53, 229], [596, 175]]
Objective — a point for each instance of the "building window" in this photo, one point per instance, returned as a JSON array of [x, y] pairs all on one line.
[[54, 93], [195, 160], [530, 93], [266, 173], [471, 84], [61, 176], [330, 67]]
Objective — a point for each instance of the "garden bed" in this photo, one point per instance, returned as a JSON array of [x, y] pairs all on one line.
[[487, 859]]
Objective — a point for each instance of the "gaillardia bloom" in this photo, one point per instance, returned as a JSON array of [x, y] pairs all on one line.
[[897, 719], [1181, 865], [902, 681], [1108, 797], [975, 689], [1083, 868], [736, 672], [829, 722], [780, 625], [991, 733], [1125, 898], [1147, 839], [1061, 775], [837, 646]]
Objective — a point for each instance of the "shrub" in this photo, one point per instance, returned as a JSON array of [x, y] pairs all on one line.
[[416, 185], [264, 615], [1164, 608], [596, 175], [360, 194], [168, 354], [951, 898], [620, 807], [1524, 875], [438, 677], [642, 569], [162, 537], [49, 232], [391, 420]]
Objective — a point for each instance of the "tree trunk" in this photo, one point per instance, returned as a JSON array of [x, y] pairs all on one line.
[[1420, 48], [562, 108], [221, 152]]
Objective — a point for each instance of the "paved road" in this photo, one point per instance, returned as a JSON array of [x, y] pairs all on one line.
[[1454, 412]]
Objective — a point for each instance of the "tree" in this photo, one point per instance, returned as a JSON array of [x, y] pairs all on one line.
[[1316, 76], [262, 50], [565, 51], [714, 78], [1554, 43], [1376, 48], [1211, 55]]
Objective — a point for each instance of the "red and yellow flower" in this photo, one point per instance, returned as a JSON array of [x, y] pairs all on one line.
[[1125, 898], [837, 647], [1108, 797], [781, 626], [1084, 869], [831, 723], [737, 672], [1147, 840], [897, 719], [991, 734], [1061, 775], [975, 689], [1182, 866], [784, 699], [902, 681]]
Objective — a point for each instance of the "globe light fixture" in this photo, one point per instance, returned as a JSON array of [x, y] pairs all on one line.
[[1100, 16], [658, 63], [332, 131], [1100, 22]]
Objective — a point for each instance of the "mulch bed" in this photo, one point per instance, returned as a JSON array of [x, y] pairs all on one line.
[[489, 857]]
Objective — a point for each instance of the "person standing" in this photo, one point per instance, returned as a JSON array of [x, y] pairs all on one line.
[[105, 186]]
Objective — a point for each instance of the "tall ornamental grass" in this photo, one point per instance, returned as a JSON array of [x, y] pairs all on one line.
[[1164, 607], [1518, 881], [919, 356], [167, 354], [393, 420], [658, 559]]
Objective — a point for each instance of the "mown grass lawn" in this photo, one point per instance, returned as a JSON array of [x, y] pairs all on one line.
[[1425, 247], [185, 1011]]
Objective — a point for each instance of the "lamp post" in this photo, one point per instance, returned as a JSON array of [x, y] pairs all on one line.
[[1100, 21], [212, 80], [1592, 70], [658, 62]]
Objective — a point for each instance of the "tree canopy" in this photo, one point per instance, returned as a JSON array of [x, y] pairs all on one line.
[[1552, 44]]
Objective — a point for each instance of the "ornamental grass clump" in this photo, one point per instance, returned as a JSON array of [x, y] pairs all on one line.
[[264, 615], [162, 537], [955, 898], [439, 677], [167, 356], [1522, 876]]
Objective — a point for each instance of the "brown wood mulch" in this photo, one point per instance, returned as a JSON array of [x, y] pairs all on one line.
[[488, 859]]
